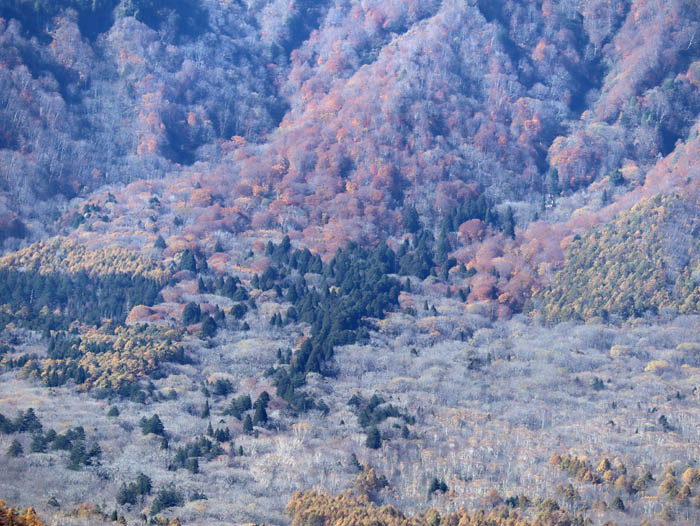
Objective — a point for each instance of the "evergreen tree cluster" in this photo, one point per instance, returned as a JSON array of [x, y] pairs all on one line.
[[191, 313], [301, 260], [221, 434], [356, 284], [370, 413], [187, 456], [110, 346], [221, 387], [420, 255], [152, 425], [437, 484], [479, 208], [227, 286], [167, 497], [15, 450], [260, 406], [72, 440], [23, 422], [53, 301], [239, 406], [238, 310], [416, 258], [129, 494], [66, 350]]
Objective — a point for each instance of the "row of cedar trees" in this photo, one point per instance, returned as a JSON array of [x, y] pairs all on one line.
[[14, 517]]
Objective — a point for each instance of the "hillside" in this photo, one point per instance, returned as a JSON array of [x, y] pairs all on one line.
[[367, 112], [96, 96], [341, 262]]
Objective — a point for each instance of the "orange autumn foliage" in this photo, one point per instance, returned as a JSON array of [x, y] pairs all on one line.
[[346, 509], [14, 517]]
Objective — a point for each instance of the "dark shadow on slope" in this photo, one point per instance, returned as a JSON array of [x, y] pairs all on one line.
[[668, 141], [94, 17], [38, 66], [299, 26], [96, 20], [491, 10], [185, 18]]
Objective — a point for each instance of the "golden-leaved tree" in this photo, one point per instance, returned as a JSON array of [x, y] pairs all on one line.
[[642, 261], [15, 517]]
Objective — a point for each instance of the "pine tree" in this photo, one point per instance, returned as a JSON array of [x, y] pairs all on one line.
[[374, 438], [509, 224], [126, 495], [152, 425], [159, 243], [28, 422], [144, 485], [553, 181], [411, 220], [262, 400], [188, 261], [15, 450], [247, 425], [191, 314], [78, 455], [95, 454], [209, 327], [437, 485], [260, 415], [616, 178], [38, 444], [443, 247]]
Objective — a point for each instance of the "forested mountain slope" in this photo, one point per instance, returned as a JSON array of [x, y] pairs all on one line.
[[329, 121], [372, 105], [388, 262]]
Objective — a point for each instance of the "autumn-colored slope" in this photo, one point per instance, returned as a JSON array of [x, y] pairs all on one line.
[[641, 262], [389, 102], [312, 508], [447, 103], [469, 96], [14, 517], [60, 255], [368, 108]]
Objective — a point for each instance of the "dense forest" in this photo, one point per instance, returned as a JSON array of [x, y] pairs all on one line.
[[530, 124], [349, 262]]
